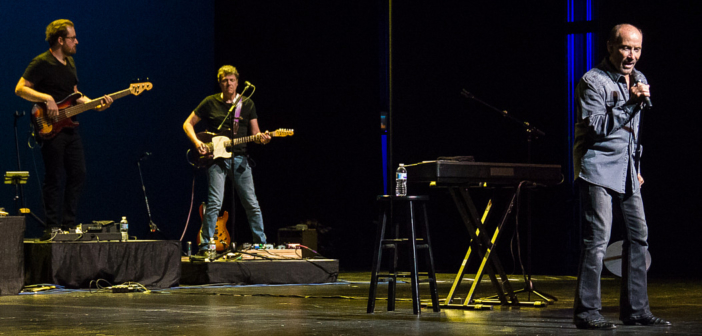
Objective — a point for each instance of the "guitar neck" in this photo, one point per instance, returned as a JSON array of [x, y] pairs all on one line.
[[80, 108], [239, 141]]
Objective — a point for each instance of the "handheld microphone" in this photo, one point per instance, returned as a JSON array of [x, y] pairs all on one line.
[[647, 100]]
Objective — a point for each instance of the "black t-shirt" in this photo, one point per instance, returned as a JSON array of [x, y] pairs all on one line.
[[212, 111], [51, 76]]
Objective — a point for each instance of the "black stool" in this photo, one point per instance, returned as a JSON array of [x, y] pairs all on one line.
[[406, 203]]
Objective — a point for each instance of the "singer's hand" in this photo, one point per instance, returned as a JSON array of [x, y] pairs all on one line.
[[640, 91], [641, 180]]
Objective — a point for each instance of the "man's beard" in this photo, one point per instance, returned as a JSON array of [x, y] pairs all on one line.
[[69, 51]]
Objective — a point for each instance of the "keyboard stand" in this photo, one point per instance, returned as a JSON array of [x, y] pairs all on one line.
[[483, 246]]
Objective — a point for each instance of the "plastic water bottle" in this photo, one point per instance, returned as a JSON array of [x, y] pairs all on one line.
[[401, 181], [124, 228], [212, 250]]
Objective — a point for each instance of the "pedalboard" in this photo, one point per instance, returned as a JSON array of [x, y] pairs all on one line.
[[95, 231]]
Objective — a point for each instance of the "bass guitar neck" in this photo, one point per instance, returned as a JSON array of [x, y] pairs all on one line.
[[47, 126]]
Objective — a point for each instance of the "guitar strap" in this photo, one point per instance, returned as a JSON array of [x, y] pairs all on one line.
[[237, 113]]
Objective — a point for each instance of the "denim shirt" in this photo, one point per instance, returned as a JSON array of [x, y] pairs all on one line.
[[606, 129]]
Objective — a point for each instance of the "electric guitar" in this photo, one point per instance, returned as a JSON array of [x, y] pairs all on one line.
[[221, 235], [217, 144], [47, 127]]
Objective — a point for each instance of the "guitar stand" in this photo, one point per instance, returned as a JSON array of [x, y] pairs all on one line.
[[484, 246]]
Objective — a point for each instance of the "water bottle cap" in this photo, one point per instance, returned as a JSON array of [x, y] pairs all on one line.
[[402, 164], [124, 217]]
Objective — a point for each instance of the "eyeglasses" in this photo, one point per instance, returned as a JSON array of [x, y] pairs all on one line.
[[70, 37]]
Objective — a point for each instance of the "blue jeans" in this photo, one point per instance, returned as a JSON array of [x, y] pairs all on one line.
[[217, 176], [596, 203]]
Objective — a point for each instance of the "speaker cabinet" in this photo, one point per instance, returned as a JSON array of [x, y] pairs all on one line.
[[306, 237]]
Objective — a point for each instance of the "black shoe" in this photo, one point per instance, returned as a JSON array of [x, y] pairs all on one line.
[[202, 253], [595, 324], [648, 321], [199, 256]]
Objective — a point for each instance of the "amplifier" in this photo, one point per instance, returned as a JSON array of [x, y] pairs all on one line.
[[307, 237]]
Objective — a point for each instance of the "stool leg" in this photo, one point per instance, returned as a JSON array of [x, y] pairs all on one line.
[[377, 257], [416, 308], [430, 256], [392, 282], [391, 293]]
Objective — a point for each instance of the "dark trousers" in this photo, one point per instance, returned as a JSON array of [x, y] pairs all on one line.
[[597, 203], [63, 158]]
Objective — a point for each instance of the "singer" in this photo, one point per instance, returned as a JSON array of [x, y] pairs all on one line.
[[212, 110], [606, 151]]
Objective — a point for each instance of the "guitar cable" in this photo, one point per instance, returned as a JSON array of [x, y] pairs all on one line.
[[31, 138], [192, 200]]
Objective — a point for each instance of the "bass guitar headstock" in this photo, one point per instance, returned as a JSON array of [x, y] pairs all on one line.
[[137, 88]]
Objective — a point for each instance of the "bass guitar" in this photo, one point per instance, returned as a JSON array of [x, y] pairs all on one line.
[[221, 235], [217, 144], [47, 127]]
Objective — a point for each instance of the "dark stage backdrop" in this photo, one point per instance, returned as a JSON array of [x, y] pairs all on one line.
[[317, 68]]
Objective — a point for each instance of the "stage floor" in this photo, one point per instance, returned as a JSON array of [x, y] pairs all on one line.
[[327, 309]]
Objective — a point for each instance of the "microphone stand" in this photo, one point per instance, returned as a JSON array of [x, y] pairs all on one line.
[[19, 197], [527, 127], [19, 191], [231, 109], [234, 127], [532, 133], [152, 226]]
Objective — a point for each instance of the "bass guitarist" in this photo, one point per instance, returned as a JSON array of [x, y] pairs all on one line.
[[212, 111], [49, 78]]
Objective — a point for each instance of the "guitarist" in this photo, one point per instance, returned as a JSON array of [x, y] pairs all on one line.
[[212, 111], [48, 79]]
